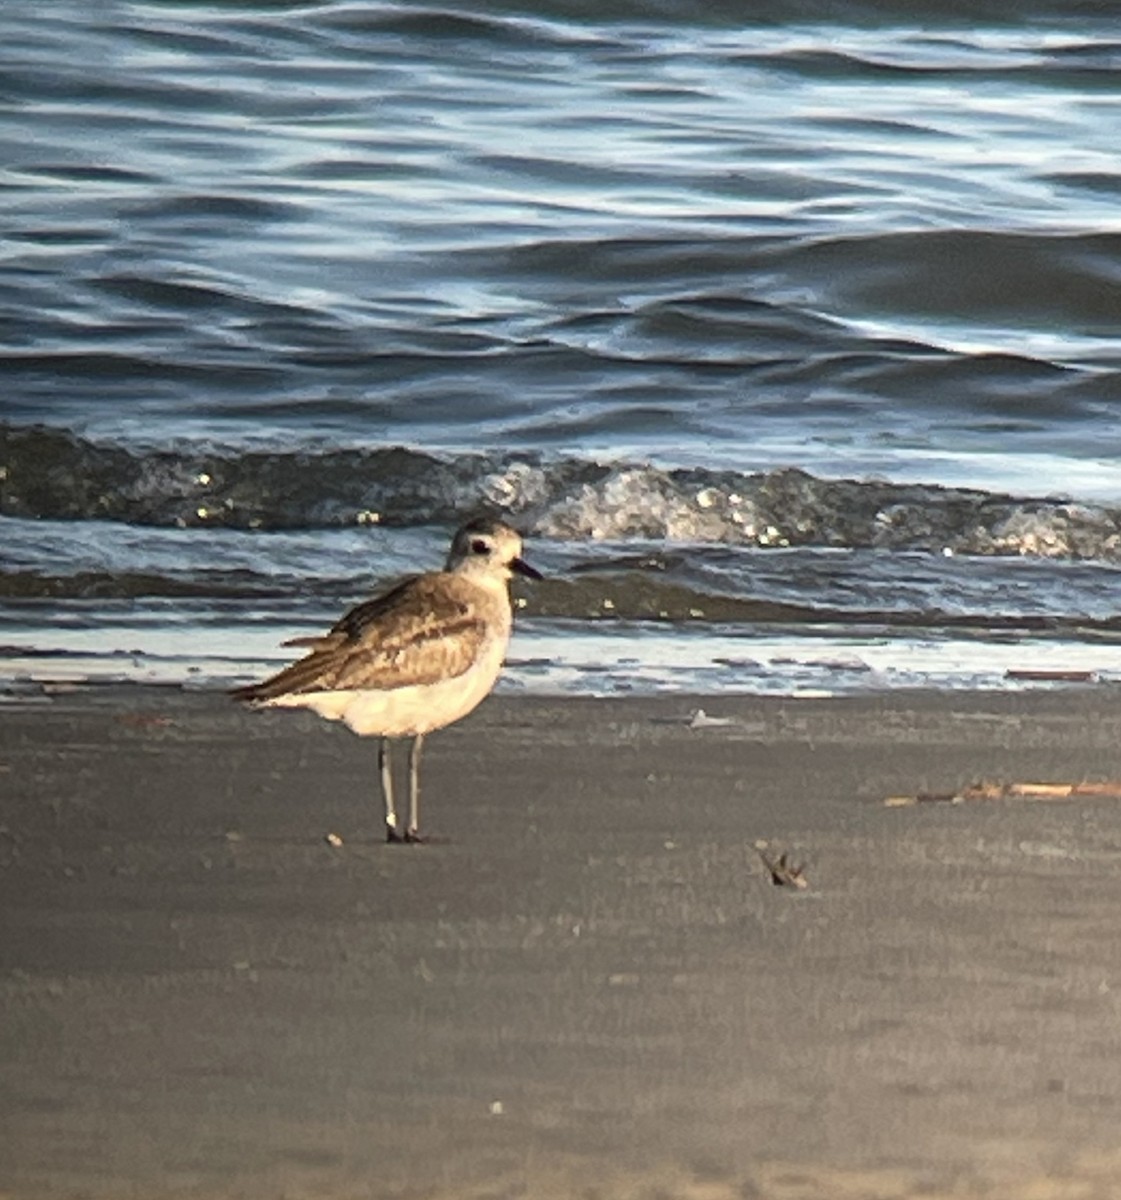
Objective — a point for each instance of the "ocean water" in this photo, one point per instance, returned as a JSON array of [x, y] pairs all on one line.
[[787, 332]]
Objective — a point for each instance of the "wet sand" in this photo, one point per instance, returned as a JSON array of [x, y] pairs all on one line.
[[590, 988]]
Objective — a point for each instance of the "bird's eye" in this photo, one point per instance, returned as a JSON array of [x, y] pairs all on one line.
[[478, 546]]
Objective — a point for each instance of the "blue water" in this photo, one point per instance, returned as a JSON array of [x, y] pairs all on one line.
[[286, 289]]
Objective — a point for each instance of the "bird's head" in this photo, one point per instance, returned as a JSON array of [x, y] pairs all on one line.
[[489, 549]]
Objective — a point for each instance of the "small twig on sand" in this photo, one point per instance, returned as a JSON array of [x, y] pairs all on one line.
[[783, 872]]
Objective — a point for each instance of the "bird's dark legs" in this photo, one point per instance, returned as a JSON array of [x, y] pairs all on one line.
[[412, 833], [385, 766]]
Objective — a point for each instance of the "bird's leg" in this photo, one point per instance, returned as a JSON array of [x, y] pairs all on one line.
[[385, 766], [412, 833]]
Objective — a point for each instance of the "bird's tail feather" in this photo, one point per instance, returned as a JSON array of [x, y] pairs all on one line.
[[307, 675]]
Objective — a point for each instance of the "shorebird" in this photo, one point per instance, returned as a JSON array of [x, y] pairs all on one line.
[[414, 659]]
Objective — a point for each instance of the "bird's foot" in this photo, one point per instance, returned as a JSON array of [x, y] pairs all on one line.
[[411, 837]]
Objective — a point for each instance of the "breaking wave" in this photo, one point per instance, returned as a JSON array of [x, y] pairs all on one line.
[[46, 473]]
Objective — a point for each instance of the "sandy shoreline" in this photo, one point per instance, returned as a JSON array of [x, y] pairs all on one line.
[[590, 988]]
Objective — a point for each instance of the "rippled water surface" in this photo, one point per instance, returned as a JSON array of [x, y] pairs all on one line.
[[789, 330]]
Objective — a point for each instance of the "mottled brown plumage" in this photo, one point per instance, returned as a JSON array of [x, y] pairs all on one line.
[[438, 626]]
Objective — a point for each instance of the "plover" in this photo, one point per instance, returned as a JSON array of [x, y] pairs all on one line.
[[414, 659]]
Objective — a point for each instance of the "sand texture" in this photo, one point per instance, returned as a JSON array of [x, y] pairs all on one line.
[[218, 982]]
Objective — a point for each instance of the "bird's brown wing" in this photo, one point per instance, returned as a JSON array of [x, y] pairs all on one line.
[[428, 628]]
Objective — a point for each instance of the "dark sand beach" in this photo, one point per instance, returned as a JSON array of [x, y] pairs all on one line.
[[590, 988]]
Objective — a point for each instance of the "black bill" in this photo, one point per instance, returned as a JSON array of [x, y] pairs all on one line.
[[521, 567]]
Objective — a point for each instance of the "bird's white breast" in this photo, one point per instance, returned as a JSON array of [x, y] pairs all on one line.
[[408, 711]]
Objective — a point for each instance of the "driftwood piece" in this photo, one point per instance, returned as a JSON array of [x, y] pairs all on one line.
[[1109, 789]]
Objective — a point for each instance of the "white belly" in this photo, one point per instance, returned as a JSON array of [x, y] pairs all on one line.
[[406, 711]]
